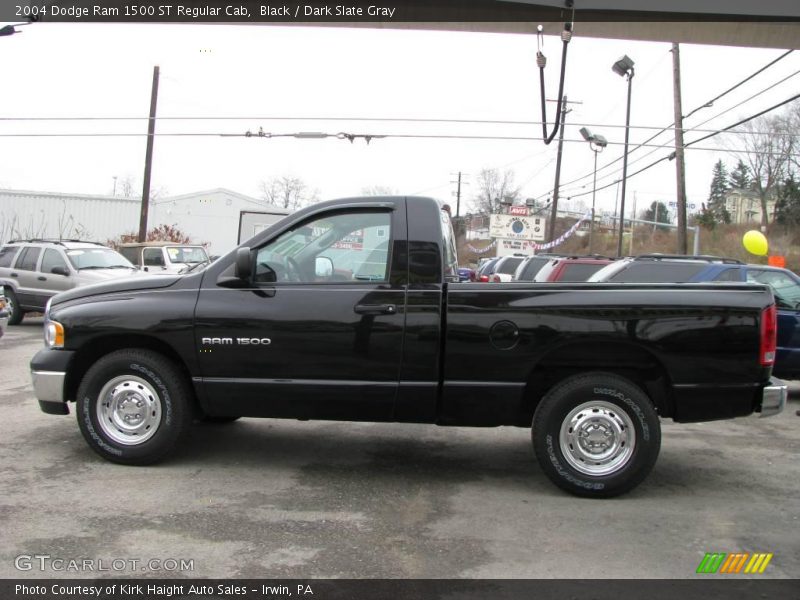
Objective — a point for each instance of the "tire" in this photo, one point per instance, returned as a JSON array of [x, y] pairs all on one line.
[[217, 420], [111, 397], [596, 435], [15, 312]]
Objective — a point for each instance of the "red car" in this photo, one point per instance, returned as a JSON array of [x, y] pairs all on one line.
[[571, 268]]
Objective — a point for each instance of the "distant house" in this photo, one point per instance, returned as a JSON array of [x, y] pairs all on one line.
[[209, 217], [744, 206]]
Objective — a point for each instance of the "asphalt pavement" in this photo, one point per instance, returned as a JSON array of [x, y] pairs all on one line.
[[272, 498]]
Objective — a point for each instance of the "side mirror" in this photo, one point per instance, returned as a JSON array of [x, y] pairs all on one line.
[[60, 271], [243, 268], [323, 267]]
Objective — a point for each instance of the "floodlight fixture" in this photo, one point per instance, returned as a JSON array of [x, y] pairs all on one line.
[[624, 66]]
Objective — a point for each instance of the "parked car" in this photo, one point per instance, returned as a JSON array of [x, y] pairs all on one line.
[[692, 269], [530, 266], [466, 274], [160, 258], [571, 268], [501, 269], [33, 271], [267, 331], [486, 269], [3, 311]]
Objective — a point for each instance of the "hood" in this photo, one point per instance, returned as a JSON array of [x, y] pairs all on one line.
[[127, 284], [88, 276]]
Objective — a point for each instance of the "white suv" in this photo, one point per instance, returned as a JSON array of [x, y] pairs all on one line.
[[159, 258], [33, 271]]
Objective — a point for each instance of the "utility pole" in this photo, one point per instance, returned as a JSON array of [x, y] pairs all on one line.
[[148, 159], [554, 208], [680, 167], [458, 195]]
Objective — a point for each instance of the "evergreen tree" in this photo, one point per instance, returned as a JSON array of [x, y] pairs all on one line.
[[717, 194], [657, 212], [740, 178], [787, 209]]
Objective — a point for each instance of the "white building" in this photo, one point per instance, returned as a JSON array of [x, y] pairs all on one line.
[[209, 217], [744, 206]]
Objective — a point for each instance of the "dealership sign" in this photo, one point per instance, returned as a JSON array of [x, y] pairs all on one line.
[[513, 227]]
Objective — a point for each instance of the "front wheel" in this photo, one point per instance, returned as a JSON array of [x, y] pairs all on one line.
[[15, 312], [596, 435], [133, 406]]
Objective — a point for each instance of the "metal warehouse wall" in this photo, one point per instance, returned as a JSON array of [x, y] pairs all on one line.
[[27, 214], [210, 217]]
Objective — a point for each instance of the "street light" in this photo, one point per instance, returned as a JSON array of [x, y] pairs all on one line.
[[624, 67], [596, 142]]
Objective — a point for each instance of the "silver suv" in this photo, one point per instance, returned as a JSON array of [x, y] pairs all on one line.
[[33, 271]]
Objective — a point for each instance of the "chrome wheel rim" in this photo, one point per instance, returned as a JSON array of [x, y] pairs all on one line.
[[597, 438], [128, 410], [9, 306]]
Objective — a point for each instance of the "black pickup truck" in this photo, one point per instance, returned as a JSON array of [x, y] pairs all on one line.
[[352, 310]]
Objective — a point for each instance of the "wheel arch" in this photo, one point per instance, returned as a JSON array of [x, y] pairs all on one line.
[[633, 362], [89, 354]]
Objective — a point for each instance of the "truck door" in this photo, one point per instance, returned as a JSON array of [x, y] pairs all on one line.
[[318, 331]]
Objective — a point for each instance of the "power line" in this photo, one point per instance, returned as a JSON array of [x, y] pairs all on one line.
[[704, 105], [724, 130]]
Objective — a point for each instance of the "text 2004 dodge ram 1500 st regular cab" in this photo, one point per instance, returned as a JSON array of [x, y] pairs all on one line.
[[352, 310]]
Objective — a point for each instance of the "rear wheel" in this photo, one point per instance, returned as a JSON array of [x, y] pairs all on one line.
[[15, 312], [596, 435], [134, 406]]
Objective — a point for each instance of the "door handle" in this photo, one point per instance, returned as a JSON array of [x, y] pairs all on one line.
[[14, 275], [41, 278], [375, 309]]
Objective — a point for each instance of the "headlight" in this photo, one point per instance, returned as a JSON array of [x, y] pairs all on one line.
[[53, 334]]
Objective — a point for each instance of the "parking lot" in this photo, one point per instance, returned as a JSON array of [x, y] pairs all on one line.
[[270, 498]]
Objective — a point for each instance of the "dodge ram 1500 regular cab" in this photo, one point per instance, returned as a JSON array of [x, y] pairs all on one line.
[[352, 310]]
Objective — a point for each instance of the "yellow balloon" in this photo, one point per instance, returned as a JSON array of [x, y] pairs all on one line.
[[755, 243]]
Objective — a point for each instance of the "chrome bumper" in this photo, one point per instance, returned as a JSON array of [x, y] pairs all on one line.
[[773, 397], [48, 385]]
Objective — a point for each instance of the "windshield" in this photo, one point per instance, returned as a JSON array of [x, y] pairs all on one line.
[[187, 254], [97, 258]]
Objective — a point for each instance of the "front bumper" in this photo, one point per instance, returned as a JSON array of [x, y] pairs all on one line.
[[49, 377], [773, 397]]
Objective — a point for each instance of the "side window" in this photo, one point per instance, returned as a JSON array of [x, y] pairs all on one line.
[[785, 287], [152, 257], [728, 275], [130, 254], [352, 246], [7, 254], [28, 258], [52, 259], [449, 247]]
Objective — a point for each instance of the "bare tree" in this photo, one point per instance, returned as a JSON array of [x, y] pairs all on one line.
[[287, 192], [129, 187], [768, 148], [494, 188]]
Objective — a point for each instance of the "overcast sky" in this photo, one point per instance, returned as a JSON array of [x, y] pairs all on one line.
[[255, 72]]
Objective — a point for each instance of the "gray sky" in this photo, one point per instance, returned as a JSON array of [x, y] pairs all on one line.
[[105, 70]]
